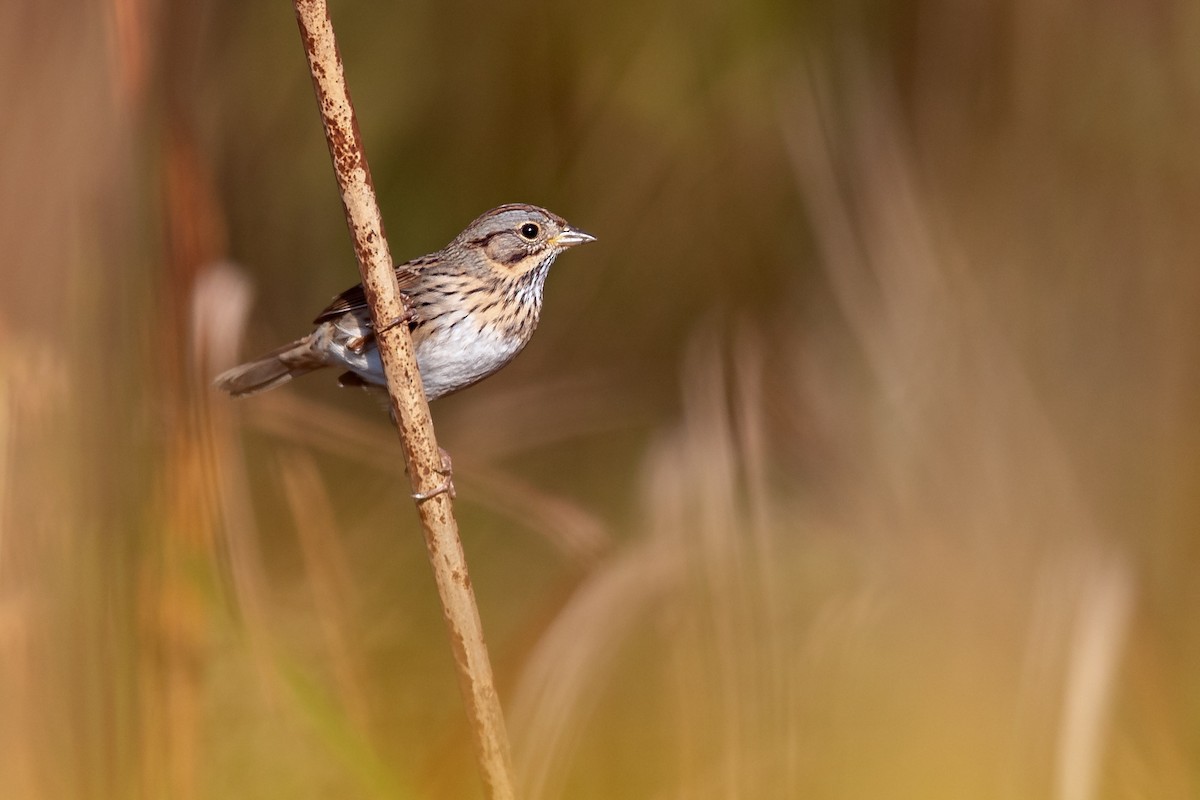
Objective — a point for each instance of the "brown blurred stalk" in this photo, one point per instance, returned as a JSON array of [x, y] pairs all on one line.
[[409, 406]]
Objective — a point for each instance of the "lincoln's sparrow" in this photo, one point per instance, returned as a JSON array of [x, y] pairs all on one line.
[[471, 307]]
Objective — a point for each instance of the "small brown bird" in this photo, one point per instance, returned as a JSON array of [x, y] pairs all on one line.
[[472, 307]]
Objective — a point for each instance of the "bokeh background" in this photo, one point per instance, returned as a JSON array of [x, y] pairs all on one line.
[[858, 459]]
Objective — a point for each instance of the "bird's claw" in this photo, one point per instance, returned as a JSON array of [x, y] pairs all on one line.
[[443, 488], [446, 487], [358, 345], [405, 317]]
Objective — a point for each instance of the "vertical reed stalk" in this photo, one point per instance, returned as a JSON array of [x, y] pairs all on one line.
[[409, 407]]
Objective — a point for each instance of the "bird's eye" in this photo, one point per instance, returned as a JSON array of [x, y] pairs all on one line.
[[530, 231]]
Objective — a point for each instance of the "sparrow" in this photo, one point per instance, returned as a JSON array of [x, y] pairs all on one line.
[[470, 308]]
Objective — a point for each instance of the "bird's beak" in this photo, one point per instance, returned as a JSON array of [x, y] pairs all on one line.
[[571, 237]]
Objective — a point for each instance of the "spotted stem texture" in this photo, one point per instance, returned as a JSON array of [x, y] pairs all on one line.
[[408, 400]]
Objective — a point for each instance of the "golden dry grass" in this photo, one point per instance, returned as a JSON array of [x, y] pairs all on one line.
[[859, 458]]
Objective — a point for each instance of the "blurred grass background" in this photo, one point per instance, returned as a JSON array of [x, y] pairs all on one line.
[[858, 459]]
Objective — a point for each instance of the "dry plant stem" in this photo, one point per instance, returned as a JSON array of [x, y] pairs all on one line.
[[409, 406]]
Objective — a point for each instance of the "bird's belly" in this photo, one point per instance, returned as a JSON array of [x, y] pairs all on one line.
[[449, 359], [455, 358]]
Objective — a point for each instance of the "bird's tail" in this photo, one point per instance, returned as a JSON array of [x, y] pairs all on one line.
[[273, 369]]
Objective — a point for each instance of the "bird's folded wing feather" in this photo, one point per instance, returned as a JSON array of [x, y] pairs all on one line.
[[355, 298]]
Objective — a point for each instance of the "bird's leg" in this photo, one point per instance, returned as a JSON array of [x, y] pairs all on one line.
[[406, 316], [447, 486], [359, 343]]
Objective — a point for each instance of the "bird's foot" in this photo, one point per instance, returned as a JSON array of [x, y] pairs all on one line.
[[446, 487], [406, 316], [359, 344]]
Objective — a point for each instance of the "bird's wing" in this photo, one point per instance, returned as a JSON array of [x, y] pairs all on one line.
[[355, 298]]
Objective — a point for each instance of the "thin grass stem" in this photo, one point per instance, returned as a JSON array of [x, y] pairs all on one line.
[[409, 406]]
